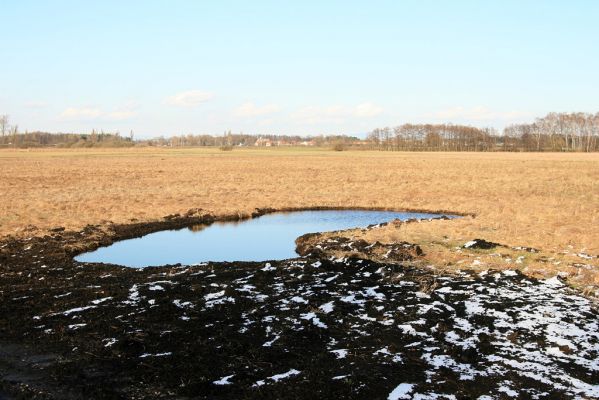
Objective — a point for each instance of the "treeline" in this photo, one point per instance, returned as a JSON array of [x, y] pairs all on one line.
[[45, 139], [102, 139], [558, 132], [241, 139], [11, 137], [554, 132], [429, 137]]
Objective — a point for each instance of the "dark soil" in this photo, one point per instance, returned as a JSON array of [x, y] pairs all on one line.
[[481, 244], [313, 327]]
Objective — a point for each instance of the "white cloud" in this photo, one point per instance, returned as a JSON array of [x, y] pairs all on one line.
[[190, 98], [367, 110], [251, 110], [93, 113], [73, 113]]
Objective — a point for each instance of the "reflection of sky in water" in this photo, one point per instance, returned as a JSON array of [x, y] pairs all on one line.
[[270, 237]]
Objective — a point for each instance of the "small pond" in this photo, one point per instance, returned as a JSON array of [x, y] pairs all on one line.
[[269, 237]]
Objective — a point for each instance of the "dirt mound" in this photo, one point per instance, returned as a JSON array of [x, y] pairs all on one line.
[[481, 244], [317, 245]]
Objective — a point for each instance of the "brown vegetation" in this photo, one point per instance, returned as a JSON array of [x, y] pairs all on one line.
[[546, 200]]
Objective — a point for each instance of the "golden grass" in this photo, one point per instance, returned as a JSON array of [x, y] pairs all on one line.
[[549, 201]]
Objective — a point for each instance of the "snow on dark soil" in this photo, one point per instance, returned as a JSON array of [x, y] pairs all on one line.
[[307, 328]]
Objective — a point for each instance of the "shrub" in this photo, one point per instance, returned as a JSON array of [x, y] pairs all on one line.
[[339, 147]]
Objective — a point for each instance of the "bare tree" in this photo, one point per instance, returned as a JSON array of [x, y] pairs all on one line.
[[15, 135], [4, 127]]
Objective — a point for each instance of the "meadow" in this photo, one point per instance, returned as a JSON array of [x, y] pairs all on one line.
[[548, 201]]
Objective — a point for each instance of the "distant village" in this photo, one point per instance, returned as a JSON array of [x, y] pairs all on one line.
[[266, 142]]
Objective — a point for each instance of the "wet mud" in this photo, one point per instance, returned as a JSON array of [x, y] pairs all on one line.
[[318, 326]]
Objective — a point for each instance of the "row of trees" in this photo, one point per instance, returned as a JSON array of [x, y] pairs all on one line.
[[558, 132], [10, 137], [6, 129], [429, 137], [102, 139], [554, 132], [45, 139], [228, 139], [241, 139]]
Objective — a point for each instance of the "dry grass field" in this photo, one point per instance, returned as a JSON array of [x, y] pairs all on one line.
[[542, 200]]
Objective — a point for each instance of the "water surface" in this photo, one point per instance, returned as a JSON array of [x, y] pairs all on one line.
[[269, 237]]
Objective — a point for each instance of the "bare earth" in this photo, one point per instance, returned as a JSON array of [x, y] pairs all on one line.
[[548, 201]]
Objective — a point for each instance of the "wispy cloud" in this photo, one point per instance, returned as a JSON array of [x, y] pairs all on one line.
[[367, 110], [251, 110], [190, 98], [74, 113], [94, 113]]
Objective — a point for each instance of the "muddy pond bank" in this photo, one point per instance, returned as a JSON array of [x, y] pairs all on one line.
[[267, 237], [313, 327]]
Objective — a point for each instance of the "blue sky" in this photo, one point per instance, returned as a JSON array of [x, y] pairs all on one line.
[[282, 67]]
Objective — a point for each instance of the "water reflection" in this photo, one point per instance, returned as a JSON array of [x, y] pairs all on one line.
[[269, 237]]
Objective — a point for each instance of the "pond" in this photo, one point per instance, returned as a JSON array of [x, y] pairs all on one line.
[[269, 237]]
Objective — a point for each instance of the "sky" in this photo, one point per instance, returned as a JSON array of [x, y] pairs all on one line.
[[302, 67]]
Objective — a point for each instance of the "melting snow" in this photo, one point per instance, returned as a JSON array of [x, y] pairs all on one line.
[[402, 391], [327, 307], [76, 310], [156, 354], [340, 353], [224, 380], [277, 378], [539, 333], [99, 301]]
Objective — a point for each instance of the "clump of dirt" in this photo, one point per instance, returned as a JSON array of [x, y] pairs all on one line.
[[318, 245], [481, 244]]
